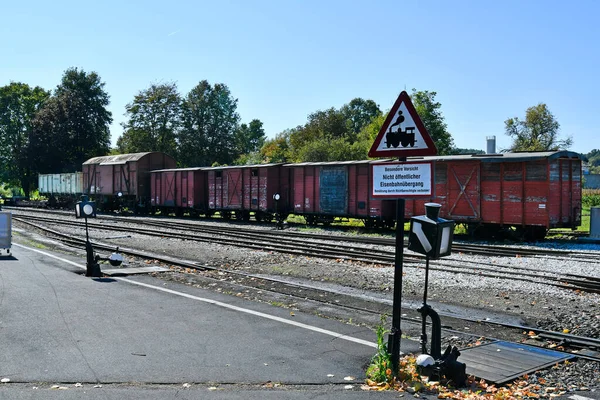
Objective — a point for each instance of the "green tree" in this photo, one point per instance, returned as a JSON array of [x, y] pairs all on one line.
[[429, 111], [326, 149], [277, 150], [366, 137], [329, 124], [249, 138], [328, 135], [358, 114], [593, 157], [154, 118], [73, 125], [456, 151], [18, 104], [538, 132], [49, 128], [209, 123]]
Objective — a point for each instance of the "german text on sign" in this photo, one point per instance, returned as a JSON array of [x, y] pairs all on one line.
[[398, 180]]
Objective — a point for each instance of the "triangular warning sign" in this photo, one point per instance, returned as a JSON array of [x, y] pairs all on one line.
[[403, 133]]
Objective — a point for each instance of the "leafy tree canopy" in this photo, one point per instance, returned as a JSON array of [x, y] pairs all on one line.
[[332, 134], [538, 132], [429, 111], [154, 120], [18, 104], [359, 113], [73, 125], [209, 124], [277, 150], [593, 160], [88, 119], [456, 151], [249, 138]]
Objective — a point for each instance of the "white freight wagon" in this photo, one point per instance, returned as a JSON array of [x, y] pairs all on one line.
[[66, 184]]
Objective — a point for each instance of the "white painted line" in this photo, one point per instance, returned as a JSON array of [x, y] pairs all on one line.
[[220, 304], [577, 397], [252, 312]]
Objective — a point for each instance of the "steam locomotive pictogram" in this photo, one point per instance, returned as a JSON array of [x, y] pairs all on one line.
[[404, 137]]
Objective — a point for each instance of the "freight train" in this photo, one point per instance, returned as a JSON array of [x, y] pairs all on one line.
[[527, 193]]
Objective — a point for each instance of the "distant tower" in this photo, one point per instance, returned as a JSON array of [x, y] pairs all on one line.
[[491, 145]]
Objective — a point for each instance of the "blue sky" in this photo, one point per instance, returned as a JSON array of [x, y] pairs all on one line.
[[285, 59]]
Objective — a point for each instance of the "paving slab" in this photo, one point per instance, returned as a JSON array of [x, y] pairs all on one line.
[[133, 271]]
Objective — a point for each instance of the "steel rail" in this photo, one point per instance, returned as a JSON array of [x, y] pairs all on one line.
[[348, 253]]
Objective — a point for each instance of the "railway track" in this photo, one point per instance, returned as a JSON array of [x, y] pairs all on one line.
[[565, 342], [467, 248], [325, 246]]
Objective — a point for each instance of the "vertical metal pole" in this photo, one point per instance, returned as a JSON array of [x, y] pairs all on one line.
[[396, 331], [425, 310], [426, 280], [89, 253]]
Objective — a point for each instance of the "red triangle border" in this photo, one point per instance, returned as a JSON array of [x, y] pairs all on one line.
[[431, 150]]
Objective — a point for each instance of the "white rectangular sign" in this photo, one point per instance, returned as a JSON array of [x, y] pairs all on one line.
[[397, 180]]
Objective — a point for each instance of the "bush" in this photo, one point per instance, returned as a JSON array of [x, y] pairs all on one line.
[[5, 190], [591, 198]]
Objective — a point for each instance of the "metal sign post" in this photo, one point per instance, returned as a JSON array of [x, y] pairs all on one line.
[[401, 135], [396, 332], [87, 209]]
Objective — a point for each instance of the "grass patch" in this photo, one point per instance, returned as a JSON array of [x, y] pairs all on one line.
[[30, 243], [590, 198], [278, 304]]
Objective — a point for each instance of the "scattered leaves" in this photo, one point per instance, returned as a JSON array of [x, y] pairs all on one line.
[[410, 381]]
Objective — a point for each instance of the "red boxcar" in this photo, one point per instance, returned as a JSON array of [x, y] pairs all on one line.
[[179, 190], [104, 178], [324, 191], [531, 192], [248, 188]]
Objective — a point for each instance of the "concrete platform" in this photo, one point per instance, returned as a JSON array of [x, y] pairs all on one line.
[[140, 337]]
